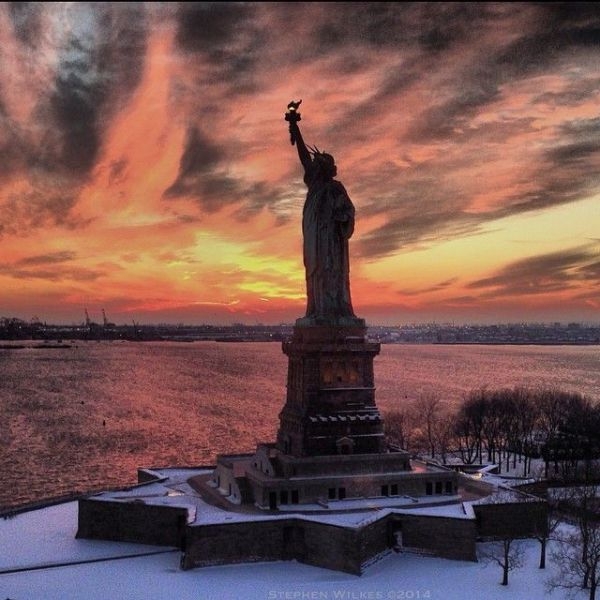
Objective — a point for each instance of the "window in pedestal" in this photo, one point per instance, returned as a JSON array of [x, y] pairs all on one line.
[[354, 372], [334, 372], [327, 376], [345, 445]]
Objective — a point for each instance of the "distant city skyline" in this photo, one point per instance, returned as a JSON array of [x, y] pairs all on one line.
[[147, 168]]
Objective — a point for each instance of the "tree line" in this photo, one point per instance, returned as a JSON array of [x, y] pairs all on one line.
[[508, 427], [511, 427]]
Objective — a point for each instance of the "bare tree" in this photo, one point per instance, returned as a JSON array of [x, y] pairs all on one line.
[[577, 569], [465, 436], [507, 552], [430, 406], [444, 434], [398, 427], [509, 426], [544, 534], [527, 414], [492, 424], [467, 430], [551, 407], [577, 551], [569, 423]]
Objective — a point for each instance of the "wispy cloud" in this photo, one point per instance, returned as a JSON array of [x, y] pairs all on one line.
[[446, 120], [554, 272], [47, 259]]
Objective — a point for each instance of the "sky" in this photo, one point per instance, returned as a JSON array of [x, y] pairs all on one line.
[[146, 167]]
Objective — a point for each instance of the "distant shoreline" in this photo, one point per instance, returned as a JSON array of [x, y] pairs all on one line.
[[555, 334], [62, 346]]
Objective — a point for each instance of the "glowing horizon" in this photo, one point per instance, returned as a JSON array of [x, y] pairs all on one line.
[[147, 168]]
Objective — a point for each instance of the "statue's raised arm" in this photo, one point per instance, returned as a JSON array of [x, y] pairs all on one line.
[[327, 224], [293, 116]]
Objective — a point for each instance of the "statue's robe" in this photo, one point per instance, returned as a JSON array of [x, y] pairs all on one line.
[[327, 224]]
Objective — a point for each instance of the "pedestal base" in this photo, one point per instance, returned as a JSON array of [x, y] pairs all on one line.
[[330, 407]]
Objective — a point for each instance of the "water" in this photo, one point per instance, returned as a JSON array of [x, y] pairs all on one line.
[[87, 417]]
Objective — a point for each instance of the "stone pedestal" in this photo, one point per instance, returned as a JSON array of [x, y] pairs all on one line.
[[330, 405]]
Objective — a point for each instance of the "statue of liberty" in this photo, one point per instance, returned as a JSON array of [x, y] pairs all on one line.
[[327, 225]]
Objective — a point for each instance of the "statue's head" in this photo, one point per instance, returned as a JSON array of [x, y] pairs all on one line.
[[325, 163]]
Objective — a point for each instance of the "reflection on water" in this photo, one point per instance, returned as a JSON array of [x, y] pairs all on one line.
[[87, 417]]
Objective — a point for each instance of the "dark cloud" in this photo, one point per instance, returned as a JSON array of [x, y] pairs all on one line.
[[47, 259], [445, 24], [413, 230], [427, 34], [96, 72], [557, 28], [50, 267], [224, 34], [203, 176], [21, 213], [441, 121], [26, 19], [13, 150], [375, 23], [592, 271], [576, 153], [199, 156], [367, 112], [434, 288], [574, 94], [551, 32], [465, 300], [429, 208], [258, 196], [188, 218], [99, 64], [582, 128], [210, 26], [232, 36], [75, 107], [430, 26], [57, 274], [200, 174], [542, 274], [117, 171], [565, 172], [421, 207]]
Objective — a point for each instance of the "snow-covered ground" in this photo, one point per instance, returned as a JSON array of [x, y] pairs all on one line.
[[47, 537]]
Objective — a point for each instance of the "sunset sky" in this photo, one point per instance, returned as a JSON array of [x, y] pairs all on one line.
[[146, 167]]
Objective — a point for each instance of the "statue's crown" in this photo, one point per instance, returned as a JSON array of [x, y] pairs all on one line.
[[322, 157]]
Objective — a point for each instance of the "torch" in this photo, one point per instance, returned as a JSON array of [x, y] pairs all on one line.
[[293, 116]]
